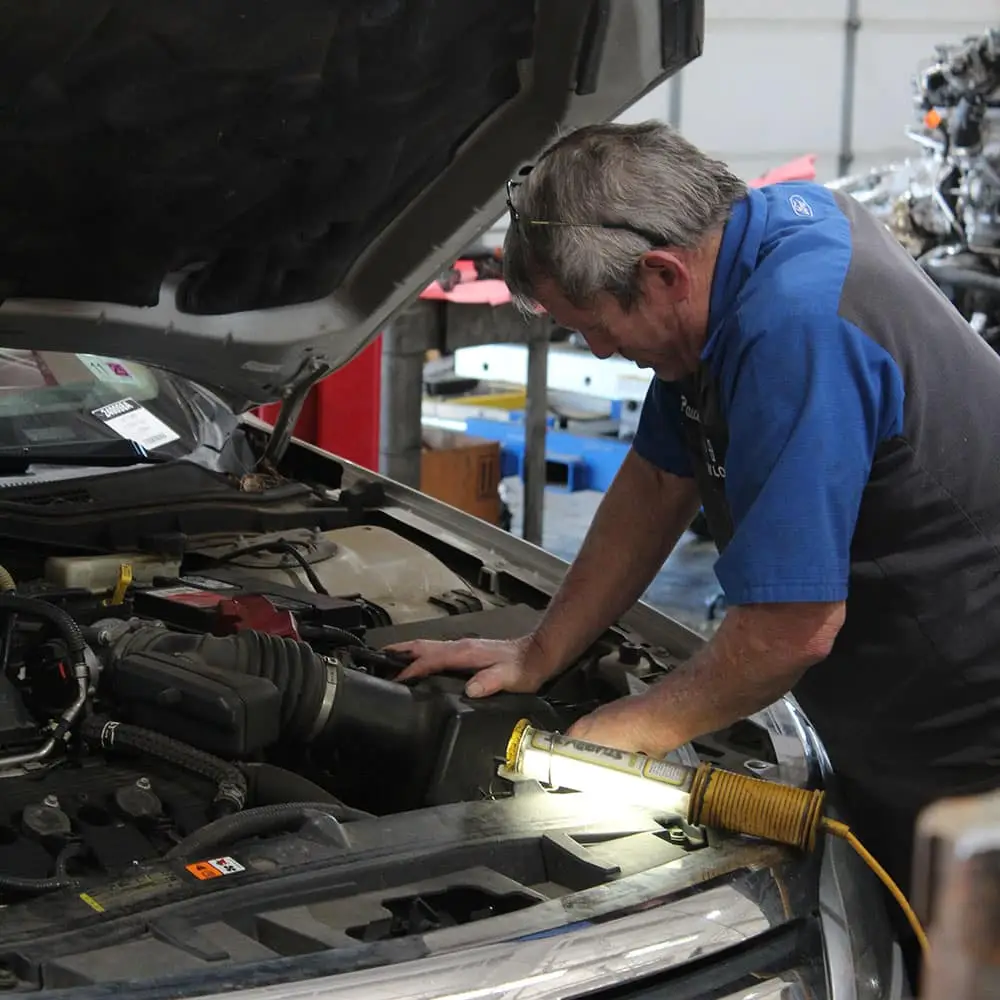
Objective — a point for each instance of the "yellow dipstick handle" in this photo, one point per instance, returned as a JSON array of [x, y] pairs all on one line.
[[121, 586]]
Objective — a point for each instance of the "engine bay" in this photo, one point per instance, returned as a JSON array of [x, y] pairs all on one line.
[[148, 698]]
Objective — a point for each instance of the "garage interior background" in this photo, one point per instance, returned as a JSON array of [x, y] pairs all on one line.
[[790, 77], [830, 78]]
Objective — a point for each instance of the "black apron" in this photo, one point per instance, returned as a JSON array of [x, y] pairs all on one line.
[[707, 440], [886, 829]]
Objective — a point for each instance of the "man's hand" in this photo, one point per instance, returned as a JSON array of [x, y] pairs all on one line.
[[629, 723], [500, 664]]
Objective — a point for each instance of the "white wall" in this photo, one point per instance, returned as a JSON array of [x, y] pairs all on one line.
[[771, 82]]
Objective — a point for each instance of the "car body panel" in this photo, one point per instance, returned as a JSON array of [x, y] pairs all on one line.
[[587, 62]]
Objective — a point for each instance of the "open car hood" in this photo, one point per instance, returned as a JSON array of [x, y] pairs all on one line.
[[246, 192]]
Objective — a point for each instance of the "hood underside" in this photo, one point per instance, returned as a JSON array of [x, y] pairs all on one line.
[[245, 191]]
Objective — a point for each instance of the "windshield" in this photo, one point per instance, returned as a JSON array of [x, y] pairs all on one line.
[[61, 400]]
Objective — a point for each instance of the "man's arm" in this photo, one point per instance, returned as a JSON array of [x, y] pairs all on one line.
[[637, 524], [648, 506], [757, 655], [809, 398]]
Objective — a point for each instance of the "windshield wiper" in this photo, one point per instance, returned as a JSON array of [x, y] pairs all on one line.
[[120, 453]]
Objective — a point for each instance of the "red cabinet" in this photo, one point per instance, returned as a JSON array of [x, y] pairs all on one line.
[[341, 414]]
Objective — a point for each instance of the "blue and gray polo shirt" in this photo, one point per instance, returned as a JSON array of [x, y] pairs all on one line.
[[844, 427]]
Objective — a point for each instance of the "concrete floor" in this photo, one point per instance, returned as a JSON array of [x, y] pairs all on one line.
[[684, 588]]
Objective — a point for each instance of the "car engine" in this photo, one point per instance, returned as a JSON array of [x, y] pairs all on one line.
[[144, 698]]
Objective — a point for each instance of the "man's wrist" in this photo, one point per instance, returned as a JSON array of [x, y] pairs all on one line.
[[652, 720], [539, 662]]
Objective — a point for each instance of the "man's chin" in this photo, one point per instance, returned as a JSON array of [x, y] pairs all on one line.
[[644, 365], [668, 372], [672, 371]]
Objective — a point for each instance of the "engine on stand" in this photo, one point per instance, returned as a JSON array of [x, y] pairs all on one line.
[[944, 206]]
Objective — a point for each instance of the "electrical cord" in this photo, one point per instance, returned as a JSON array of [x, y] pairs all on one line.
[[843, 831], [329, 633], [277, 545], [781, 813]]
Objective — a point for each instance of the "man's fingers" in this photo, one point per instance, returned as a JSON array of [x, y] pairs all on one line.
[[403, 647], [424, 665], [488, 681], [413, 671], [430, 656]]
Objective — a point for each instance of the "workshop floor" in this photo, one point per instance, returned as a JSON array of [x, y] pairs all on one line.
[[684, 588]]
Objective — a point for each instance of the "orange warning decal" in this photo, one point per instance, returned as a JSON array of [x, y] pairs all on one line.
[[203, 870]]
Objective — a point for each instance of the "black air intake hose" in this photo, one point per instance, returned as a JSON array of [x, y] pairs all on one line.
[[323, 701], [292, 667], [230, 781]]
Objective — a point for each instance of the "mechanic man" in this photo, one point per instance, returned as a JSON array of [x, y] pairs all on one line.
[[840, 424]]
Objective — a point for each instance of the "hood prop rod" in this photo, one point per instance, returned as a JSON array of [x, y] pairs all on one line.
[[288, 415]]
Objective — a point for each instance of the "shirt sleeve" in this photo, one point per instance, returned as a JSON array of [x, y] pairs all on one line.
[[659, 438], [808, 401]]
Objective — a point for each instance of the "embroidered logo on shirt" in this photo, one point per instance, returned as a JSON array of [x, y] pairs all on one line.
[[800, 206], [689, 411]]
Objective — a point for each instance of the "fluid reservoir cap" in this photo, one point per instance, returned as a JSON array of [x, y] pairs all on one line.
[[46, 821]]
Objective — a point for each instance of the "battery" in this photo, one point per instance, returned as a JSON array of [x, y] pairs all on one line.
[[194, 603]]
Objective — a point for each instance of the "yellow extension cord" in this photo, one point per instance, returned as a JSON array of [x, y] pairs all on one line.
[[781, 813]]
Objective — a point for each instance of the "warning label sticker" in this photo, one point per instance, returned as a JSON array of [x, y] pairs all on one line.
[[215, 868], [228, 866]]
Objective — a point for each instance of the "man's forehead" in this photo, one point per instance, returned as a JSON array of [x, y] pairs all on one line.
[[565, 313]]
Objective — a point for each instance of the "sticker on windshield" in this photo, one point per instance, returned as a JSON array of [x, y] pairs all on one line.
[[134, 422], [107, 369]]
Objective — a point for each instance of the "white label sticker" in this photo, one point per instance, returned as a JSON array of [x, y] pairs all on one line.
[[107, 369], [665, 771], [228, 866], [130, 420]]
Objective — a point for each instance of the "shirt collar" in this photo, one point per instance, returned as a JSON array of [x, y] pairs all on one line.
[[737, 258]]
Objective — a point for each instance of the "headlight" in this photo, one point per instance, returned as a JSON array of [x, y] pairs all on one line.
[[579, 960]]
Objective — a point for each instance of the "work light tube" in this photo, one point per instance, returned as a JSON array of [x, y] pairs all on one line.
[[560, 762]]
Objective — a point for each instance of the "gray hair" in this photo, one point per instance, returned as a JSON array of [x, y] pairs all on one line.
[[644, 177]]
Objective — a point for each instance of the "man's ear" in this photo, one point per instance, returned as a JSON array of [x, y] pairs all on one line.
[[665, 273]]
